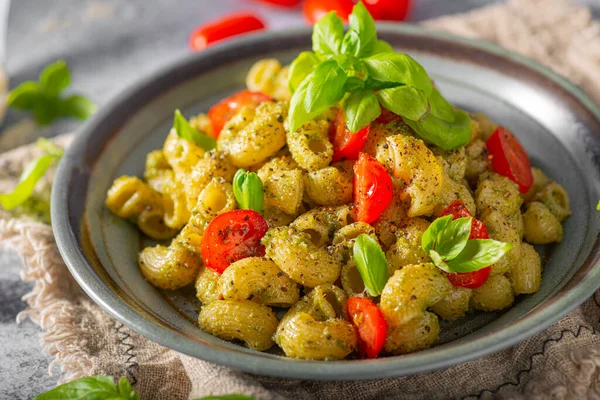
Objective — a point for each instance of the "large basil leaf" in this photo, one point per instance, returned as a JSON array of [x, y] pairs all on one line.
[[398, 67], [406, 101], [361, 108], [446, 135], [327, 35]]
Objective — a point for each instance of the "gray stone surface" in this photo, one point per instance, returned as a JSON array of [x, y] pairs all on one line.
[[108, 45]]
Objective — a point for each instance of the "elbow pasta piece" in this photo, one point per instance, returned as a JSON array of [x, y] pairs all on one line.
[[321, 223], [310, 145], [207, 285], [377, 145], [411, 291], [526, 274], [477, 161], [269, 77], [387, 224], [157, 169], [541, 226], [497, 192], [454, 305], [414, 163], [275, 217], [323, 302], [495, 294], [253, 135], [260, 280], [455, 162], [283, 188], [170, 267], [417, 334], [152, 223], [500, 228], [556, 198], [299, 258], [247, 321], [540, 180], [176, 209], [216, 198], [181, 154], [331, 186], [344, 238], [352, 282], [452, 191], [202, 124], [407, 248], [486, 126]]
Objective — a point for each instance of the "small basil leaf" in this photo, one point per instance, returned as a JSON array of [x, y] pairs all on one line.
[[248, 190], [350, 43], [440, 108], [298, 115], [325, 88], [327, 35], [430, 237], [25, 96], [227, 397], [186, 131], [439, 261], [398, 67], [126, 390], [300, 68], [446, 135], [381, 46], [90, 388], [353, 84], [453, 239], [55, 78], [405, 101], [47, 110], [598, 206], [371, 264], [78, 106], [362, 24], [478, 254], [32, 173], [361, 108], [375, 84], [48, 147]]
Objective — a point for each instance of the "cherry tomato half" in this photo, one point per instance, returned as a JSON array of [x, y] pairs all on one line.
[[314, 10], [373, 190], [346, 145], [509, 158], [388, 10], [281, 3], [232, 236], [471, 280], [222, 28], [370, 326], [387, 116], [224, 110]]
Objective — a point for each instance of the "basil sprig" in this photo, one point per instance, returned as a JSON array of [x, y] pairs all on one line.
[[248, 190], [186, 131], [371, 264], [363, 72], [447, 243], [31, 174], [44, 98], [102, 387]]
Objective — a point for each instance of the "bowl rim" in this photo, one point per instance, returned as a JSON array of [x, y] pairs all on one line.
[[395, 366]]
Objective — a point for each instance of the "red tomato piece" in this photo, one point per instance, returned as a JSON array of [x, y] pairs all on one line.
[[509, 158], [222, 112], [388, 10], [346, 145], [314, 10], [471, 280], [387, 116], [373, 190], [282, 3], [222, 28], [370, 326], [232, 236]]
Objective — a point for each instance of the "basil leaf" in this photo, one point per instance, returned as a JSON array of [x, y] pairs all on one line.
[[375, 84], [227, 397], [405, 101], [350, 43], [446, 135], [478, 254], [598, 206], [381, 46], [453, 239], [55, 78], [298, 115], [327, 35], [25, 96], [353, 84], [361, 108], [248, 190], [78, 106], [429, 238], [438, 260], [32, 173], [398, 67], [362, 24], [185, 131], [126, 390], [371, 264], [326, 87], [90, 388], [440, 108], [300, 68]]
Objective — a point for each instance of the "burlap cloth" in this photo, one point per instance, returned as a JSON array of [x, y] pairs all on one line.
[[562, 362]]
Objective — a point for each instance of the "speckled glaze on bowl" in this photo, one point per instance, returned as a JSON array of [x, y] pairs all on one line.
[[556, 122]]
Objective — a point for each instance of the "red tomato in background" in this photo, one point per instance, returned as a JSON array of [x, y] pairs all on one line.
[[281, 3], [509, 158], [390, 10], [314, 10], [222, 28], [232, 236], [373, 189], [222, 112], [370, 326], [346, 145], [471, 280]]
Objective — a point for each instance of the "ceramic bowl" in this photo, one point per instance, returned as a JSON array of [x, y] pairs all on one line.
[[558, 125]]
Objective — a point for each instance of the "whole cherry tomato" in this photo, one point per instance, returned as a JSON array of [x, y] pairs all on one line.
[[370, 326], [471, 280], [282, 3], [346, 145], [222, 112], [222, 28], [509, 158], [232, 236], [390, 10], [373, 190], [314, 10]]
